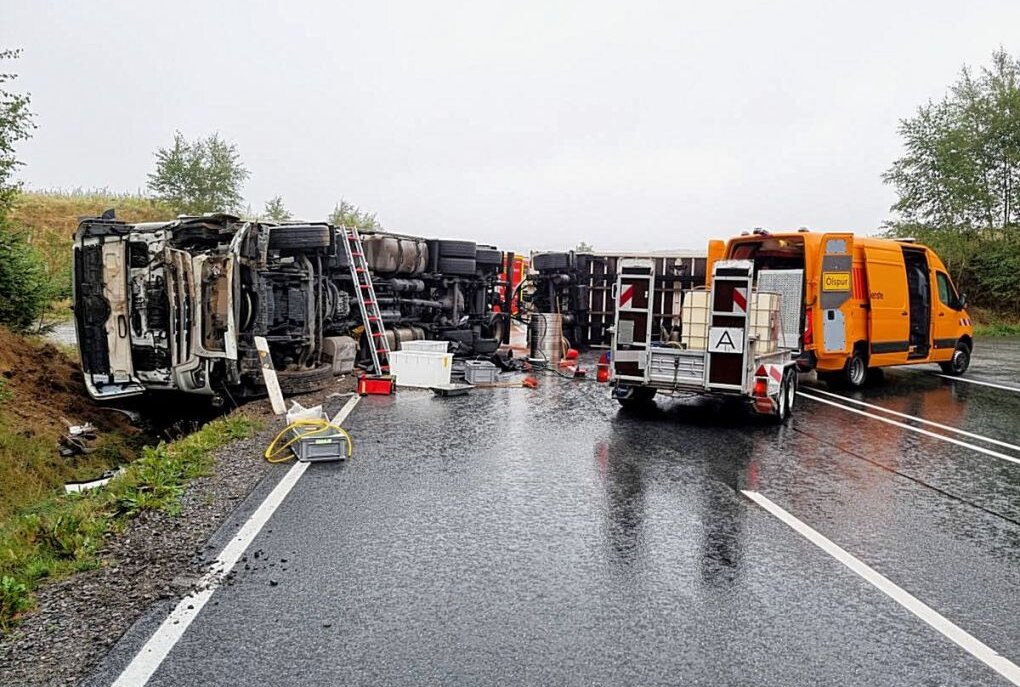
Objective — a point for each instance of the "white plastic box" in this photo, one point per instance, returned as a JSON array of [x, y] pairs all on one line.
[[421, 368], [423, 346]]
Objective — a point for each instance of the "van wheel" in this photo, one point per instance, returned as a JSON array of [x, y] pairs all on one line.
[[635, 397], [960, 361], [855, 372]]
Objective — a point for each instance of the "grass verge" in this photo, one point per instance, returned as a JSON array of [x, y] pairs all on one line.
[[990, 323], [63, 533]]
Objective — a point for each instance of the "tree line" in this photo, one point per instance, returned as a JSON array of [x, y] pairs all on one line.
[[957, 186], [958, 182]]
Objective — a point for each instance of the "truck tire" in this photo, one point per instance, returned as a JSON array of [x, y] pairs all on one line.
[[546, 262], [457, 266], [457, 249], [299, 237], [489, 257], [294, 382], [637, 397], [960, 361]]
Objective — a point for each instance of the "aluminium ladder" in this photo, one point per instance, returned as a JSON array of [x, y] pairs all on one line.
[[371, 316]]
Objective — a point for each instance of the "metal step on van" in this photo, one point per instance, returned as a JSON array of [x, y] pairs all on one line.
[[735, 339]]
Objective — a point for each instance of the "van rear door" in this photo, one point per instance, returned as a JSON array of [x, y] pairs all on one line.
[[101, 310], [835, 265], [889, 304]]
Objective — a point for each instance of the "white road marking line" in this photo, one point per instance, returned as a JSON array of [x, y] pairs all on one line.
[[968, 642], [934, 435], [978, 381], [151, 656], [919, 419]]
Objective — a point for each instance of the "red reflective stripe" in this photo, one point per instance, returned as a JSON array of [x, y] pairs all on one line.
[[775, 373], [739, 300], [627, 295]]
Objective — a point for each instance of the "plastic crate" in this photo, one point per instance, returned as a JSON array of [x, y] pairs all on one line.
[[480, 372], [423, 346], [420, 368]]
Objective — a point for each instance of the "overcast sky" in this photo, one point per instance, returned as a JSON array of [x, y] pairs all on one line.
[[629, 125]]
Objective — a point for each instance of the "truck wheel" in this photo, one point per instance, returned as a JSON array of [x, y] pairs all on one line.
[[855, 372], [636, 397], [304, 381], [488, 257], [457, 249], [960, 361], [456, 266], [299, 236]]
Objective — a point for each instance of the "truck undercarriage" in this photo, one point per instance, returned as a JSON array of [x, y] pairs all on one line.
[[177, 305]]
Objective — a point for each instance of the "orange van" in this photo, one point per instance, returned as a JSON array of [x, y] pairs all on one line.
[[868, 302]]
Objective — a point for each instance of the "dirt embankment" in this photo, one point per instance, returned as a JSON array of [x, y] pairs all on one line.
[[42, 390], [45, 385]]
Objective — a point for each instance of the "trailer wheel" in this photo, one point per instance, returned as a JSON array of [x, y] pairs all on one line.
[[789, 390], [635, 397], [547, 262], [960, 361]]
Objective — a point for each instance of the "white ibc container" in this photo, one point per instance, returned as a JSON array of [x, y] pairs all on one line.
[[765, 325], [422, 345], [694, 326], [421, 368]]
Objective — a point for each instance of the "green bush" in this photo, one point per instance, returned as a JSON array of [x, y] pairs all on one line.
[[24, 283], [985, 266], [995, 270]]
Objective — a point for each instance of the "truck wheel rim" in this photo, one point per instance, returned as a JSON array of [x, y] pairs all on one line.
[[960, 360], [791, 394]]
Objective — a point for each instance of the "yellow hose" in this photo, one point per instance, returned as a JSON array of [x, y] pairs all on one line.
[[317, 426]]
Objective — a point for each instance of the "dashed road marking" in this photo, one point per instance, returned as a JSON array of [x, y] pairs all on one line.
[[968, 642], [151, 656], [919, 419], [934, 435]]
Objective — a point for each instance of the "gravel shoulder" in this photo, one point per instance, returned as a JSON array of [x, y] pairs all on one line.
[[157, 556]]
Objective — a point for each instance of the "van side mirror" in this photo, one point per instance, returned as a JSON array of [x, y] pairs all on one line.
[[962, 301]]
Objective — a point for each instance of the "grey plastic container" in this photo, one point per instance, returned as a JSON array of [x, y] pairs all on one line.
[[320, 447], [480, 372]]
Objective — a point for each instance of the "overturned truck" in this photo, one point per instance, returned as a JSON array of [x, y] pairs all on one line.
[[177, 305]]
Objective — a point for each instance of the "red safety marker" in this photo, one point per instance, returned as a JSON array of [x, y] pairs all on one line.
[[627, 295], [739, 300]]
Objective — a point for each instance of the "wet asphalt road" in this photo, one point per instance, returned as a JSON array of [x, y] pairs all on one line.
[[548, 537]]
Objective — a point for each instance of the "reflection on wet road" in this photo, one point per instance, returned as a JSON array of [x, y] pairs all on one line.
[[548, 537]]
